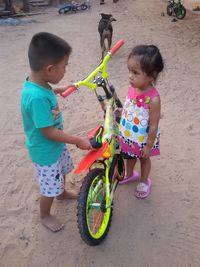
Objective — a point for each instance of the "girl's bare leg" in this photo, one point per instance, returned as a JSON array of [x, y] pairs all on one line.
[[47, 219], [129, 166], [145, 169]]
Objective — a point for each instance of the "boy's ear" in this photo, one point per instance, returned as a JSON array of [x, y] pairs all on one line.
[[49, 68]]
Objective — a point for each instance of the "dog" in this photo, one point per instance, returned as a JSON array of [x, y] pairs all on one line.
[[106, 31]]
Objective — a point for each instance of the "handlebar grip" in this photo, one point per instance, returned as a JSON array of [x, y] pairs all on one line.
[[116, 47], [69, 90]]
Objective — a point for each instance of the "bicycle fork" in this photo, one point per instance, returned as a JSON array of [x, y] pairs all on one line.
[[109, 192]]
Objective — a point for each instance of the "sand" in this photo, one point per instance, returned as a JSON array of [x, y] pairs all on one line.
[[160, 231]]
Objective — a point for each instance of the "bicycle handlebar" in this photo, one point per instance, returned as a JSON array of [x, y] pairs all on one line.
[[101, 68], [116, 47], [69, 90]]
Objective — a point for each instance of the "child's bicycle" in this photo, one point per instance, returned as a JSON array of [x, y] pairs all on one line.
[[74, 7], [105, 163], [176, 7]]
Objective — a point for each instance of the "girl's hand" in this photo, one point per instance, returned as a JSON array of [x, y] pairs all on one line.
[[118, 112], [146, 152]]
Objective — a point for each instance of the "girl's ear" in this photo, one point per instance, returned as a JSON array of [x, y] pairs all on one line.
[[154, 75]]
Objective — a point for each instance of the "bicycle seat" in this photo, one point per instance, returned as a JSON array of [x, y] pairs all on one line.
[[96, 137]]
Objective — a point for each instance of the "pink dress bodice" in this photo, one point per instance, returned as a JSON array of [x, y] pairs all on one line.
[[134, 125]]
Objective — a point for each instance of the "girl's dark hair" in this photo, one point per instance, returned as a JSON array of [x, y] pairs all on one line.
[[150, 59], [46, 48]]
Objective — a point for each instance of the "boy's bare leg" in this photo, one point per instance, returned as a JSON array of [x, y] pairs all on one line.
[[47, 219], [129, 166], [67, 194]]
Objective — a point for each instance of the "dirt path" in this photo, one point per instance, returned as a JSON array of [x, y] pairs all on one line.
[[160, 231]]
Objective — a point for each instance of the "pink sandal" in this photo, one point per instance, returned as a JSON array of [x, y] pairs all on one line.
[[133, 178], [143, 190]]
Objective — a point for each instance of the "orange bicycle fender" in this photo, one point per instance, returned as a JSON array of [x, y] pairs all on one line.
[[89, 159]]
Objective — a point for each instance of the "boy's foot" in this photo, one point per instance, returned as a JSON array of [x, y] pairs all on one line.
[[52, 223], [67, 195], [102, 2], [143, 189]]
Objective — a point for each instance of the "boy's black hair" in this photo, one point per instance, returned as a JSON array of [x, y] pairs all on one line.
[[150, 59], [46, 48]]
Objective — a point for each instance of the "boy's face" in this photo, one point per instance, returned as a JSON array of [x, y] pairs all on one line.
[[56, 72]]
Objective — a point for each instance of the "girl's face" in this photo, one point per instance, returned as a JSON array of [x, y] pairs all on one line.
[[137, 77], [56, 72]]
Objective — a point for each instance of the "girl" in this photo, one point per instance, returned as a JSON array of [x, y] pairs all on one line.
[[139, 132]]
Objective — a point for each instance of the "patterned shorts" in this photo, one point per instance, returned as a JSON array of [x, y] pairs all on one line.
[[51, 177]]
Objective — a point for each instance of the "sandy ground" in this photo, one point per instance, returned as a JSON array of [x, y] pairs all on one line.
[[160, 231]]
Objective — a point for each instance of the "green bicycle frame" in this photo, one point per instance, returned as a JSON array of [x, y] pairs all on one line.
[[100, 69], [109, 124], [109, 132], [108, 137]]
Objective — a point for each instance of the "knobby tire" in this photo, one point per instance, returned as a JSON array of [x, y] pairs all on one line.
[[93, 192]]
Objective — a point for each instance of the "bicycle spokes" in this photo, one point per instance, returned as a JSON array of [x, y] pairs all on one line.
[[96, 206]]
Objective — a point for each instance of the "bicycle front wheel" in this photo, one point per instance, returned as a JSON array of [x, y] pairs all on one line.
[[93, 217], [64, 9], [180, 12]]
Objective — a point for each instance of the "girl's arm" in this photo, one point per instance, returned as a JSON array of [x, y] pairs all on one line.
[[59, 136], [154, 117]]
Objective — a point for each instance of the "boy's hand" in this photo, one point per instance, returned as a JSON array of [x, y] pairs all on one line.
[[84, 144], [61, 89]]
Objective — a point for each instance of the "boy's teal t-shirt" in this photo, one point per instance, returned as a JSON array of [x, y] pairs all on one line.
[[39, 108]]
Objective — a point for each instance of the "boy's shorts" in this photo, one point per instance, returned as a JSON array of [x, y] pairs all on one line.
[[51, 177]]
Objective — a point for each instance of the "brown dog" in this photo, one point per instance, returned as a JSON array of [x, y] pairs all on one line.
[[105, 30]]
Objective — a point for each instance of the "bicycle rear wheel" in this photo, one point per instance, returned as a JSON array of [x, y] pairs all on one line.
[[93, 217], [82, 7], [169, 10], [117, 169]]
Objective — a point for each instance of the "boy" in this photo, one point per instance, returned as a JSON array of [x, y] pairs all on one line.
[[45, 140]]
